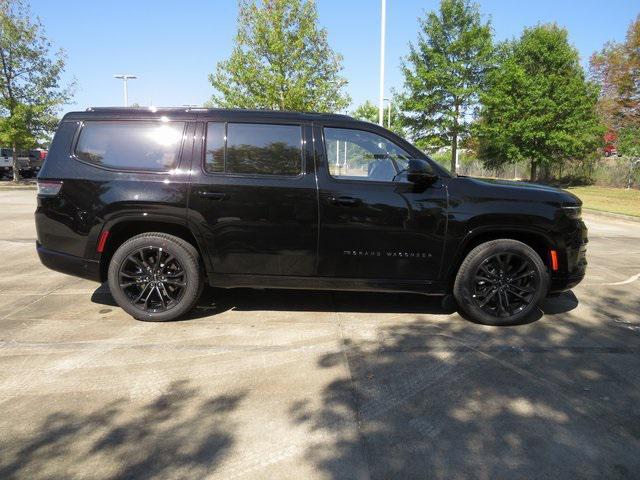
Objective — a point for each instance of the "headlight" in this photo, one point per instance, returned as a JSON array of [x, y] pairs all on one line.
[[573, 212]]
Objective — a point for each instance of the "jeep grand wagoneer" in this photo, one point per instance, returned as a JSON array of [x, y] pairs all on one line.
[[158, 202]]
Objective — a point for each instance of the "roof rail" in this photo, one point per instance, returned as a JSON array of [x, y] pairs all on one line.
[[187, 109], [151, 108]]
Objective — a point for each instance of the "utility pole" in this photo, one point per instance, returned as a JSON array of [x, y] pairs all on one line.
[[124, 78], [383, 20]]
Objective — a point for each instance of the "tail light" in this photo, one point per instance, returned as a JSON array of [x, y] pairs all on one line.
[[49, 188], [43, 154]]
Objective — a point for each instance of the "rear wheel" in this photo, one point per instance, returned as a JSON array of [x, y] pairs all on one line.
[[500, 282], [155, 277]]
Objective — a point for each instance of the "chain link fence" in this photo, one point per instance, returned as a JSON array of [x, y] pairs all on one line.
[[603, 171]]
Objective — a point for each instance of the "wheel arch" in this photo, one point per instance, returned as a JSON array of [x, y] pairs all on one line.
[[123, 229], [538, 241]]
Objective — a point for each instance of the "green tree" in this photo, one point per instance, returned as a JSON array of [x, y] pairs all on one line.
[[281, 60], [30, 90], [444, 73], [369, 113], [538, 106]]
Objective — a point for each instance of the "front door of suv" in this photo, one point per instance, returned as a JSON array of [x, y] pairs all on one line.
[[374, 224], [253, 197]]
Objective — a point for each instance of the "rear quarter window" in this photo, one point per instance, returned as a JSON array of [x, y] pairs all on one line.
[[133, 145]]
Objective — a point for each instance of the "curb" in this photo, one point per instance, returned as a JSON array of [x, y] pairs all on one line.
[[7, 188], [621, 216]]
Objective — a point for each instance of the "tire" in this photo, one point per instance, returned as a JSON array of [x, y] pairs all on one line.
[[155, 277], [501, 282]]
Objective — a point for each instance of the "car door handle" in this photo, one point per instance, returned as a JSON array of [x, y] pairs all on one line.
[[346, 201], [213, 195]]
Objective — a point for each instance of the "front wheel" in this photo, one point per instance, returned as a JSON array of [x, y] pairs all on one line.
[[155, 277], [500, 282]]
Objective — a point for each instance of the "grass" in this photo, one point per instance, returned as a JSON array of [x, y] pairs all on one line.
[[608, 199]]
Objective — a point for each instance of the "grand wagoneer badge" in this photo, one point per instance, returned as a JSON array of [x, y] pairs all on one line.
[[385, 253]]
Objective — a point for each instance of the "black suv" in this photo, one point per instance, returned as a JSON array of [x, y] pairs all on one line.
[[158, 201]]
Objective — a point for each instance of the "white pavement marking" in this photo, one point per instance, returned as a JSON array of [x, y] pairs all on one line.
[[631, 279]]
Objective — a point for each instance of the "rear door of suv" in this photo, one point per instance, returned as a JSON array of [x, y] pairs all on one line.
[[253, 195]]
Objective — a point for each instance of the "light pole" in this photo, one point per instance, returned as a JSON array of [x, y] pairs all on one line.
[[124, 78], [382, 35], [388, 113]]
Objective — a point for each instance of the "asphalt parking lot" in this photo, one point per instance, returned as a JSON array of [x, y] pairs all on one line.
[[272, 384]]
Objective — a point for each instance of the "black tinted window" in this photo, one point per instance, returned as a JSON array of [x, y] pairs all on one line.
[[131, 145], [261, 149]]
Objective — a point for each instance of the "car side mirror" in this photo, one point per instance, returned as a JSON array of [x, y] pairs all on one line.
[[420, 172]]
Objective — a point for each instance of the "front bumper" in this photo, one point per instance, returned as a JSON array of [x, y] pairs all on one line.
[[573, 261], [563, 284], [69, 264]]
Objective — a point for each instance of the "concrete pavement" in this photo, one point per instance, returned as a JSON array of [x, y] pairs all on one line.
[[272, 384]]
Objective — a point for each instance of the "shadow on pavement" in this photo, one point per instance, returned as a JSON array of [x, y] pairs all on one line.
[[180, 434], [554, 399], [215, 301]]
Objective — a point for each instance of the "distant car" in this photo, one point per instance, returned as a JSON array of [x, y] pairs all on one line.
[[609, 141], [610, 150], [29, 161], [6, 162]]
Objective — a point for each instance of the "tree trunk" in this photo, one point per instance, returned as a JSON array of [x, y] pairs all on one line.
[[16, 166], [544, 172], [534, 171], [454, 139]]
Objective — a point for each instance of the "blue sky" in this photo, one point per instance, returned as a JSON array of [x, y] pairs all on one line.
[[173, 46]]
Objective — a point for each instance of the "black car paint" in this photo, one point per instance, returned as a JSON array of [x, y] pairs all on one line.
[[311, 231]]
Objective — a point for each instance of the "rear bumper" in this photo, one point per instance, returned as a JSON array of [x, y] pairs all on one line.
[[69, 264]]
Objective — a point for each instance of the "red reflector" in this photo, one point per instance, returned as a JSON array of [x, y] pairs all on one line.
[[554, 260], [102, 241]]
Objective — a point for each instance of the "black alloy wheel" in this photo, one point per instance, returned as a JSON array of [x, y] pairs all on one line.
[[155, 277], [152, 279], [501, 282], [505, 284]]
